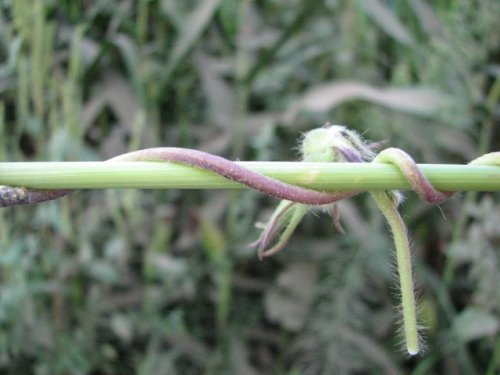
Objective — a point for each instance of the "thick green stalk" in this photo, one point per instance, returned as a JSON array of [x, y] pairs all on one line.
[[327, 176], [403, 256]]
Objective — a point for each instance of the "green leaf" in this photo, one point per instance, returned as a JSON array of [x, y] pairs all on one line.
[[474, 323], [388, 21], [213, 240], [190, 32], [289, 301]]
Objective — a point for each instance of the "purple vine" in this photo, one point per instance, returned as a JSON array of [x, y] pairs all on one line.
[[11, 196]]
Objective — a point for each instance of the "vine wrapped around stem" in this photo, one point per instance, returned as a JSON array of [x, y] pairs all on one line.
[[328, 144], [13, 196]]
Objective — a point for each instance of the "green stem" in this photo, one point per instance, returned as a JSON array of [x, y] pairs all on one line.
[[485, 137], [243, 58], [403, 257], [325, 176]]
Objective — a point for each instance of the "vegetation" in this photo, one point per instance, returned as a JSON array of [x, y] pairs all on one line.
[[162, 281]]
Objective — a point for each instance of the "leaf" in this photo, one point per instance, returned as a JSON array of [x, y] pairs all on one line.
[[115, 92], [289, 301], [474, 323], [190, 32], [416, 100], [388, 22], [13, 54], [130, 54], [240, 356], [213, 240], [167, 265], [371, 349], [427, 17], [220, 95], [122, 327]]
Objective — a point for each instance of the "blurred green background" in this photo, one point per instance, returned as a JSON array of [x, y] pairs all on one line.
[[161, 282]]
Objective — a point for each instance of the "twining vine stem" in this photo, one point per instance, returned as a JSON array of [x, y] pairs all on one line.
[[328, 144], [44, 178]]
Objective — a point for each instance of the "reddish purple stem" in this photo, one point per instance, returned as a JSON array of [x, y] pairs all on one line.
[[235, 172], [415, 177], [10, 196]]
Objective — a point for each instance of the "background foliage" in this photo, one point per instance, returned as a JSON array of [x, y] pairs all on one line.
[[161, 282]]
